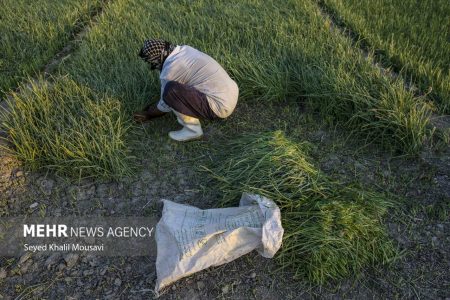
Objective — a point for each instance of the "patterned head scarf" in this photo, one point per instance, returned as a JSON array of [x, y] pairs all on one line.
[[155, 52]]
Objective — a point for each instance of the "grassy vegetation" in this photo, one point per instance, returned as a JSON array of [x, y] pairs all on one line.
[[274, 50], [69, 129], [411, 35], [331, 230], [31, 33]]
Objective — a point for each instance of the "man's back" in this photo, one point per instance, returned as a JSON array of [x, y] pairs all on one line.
[[189, 66]]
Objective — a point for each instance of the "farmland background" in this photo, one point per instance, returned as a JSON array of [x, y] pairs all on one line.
[[32, 34], [362, 150], [410, 36]]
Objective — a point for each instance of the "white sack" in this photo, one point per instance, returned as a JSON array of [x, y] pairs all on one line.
[[190, 239]]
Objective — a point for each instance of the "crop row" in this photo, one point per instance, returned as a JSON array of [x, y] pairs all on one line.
[[411, 36], [32, 33]]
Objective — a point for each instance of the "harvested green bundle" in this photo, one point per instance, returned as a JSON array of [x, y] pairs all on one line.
[[67, 128], [331, 230]]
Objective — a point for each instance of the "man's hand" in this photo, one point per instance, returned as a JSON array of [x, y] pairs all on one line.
[[149, 112], [140, 117]]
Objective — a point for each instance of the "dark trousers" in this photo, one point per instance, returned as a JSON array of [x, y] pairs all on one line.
[[187, 100]]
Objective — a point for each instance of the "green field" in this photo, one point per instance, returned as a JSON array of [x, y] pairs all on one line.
[[412, 36], [278, 53], [31, 33], [308, 99]]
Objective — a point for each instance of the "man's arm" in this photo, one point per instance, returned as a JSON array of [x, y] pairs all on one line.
[[150, 112]]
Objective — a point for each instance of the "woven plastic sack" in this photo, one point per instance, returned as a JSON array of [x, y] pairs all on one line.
[[190, 239]]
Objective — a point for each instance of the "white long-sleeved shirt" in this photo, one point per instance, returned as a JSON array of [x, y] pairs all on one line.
[[192, 67]]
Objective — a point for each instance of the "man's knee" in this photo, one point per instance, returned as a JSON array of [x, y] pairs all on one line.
[[171, 91]]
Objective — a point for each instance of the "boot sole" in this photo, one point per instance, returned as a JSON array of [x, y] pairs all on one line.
[[187, 140]]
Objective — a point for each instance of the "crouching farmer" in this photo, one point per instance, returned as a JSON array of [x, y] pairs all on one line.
[[193, 85]]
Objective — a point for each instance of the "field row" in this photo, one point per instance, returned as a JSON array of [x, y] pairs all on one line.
[[412, 37], [31, 34]]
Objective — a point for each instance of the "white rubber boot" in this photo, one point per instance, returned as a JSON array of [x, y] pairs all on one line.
[[191, 128]]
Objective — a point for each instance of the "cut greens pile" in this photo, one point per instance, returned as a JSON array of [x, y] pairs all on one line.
[[332, 230]]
